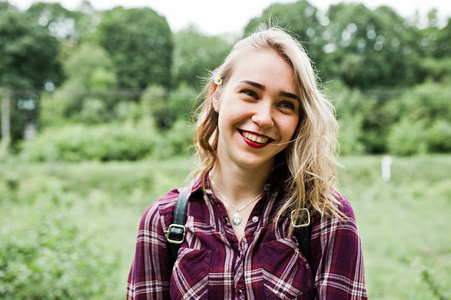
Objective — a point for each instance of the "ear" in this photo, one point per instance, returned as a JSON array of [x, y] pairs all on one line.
[[216, 95]]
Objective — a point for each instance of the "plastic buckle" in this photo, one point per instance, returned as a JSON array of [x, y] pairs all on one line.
[[305, 224], [173, 230]]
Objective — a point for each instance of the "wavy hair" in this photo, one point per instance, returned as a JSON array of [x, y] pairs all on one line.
[[309, 159]]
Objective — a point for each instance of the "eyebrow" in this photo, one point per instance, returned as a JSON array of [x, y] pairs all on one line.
[[262, 87]]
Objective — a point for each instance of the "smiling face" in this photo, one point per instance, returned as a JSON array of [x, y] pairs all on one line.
[[258, 111]]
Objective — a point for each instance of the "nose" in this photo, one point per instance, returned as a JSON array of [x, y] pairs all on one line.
[[263, 115]]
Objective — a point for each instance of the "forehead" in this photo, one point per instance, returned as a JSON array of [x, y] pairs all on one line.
[[266, 67]]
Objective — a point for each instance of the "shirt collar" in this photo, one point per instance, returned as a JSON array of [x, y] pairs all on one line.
[[274, 184]]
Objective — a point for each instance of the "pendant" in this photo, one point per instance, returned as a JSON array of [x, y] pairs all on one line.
[[236, 219]]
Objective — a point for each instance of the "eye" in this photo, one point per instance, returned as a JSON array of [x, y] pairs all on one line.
[[250, 93], [287, 105]]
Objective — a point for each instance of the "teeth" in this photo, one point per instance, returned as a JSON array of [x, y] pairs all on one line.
[[255, 138]]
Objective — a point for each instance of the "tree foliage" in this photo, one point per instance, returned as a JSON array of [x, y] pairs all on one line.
[[60, 22], [350, 42], [140, 44], [84, 95], [195, 54], [384, 73], [301, 18], [27, 52]]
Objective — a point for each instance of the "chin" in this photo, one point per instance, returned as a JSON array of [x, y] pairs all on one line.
[[256, 163]]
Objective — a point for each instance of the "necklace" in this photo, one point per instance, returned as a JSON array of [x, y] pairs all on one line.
[[236, 218]]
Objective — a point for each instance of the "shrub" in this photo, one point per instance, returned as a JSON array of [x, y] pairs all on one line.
[[428, 101], [93, 111], [439, 137], [49, 256], [176, 141], [349, 136], [102, 143], [407, 138]]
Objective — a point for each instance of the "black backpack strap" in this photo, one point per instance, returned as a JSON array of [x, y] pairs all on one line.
[[303, 233], [176, 231]]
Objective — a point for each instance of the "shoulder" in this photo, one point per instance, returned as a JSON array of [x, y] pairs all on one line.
[[160, 212], [329, 227], [344, 205], [163, 208]]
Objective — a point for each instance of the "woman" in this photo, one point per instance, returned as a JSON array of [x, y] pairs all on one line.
[[265, 139]]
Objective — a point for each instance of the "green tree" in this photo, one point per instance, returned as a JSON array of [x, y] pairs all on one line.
[[60, 22], [364, 119], [301, 18], [85, 95], [77, 26], [195, 54], [6, 7], [28, 53], [140, 44], [367, 48], [444, 41], [435, 44]]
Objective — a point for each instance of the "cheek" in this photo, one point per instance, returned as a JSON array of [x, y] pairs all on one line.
[[289, 128]]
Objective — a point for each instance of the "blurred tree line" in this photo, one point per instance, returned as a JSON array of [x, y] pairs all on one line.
[[119, 84]]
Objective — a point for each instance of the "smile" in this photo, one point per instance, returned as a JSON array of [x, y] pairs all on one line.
[[254, 140]]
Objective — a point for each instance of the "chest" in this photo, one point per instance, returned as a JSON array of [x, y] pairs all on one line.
[[264, 264]]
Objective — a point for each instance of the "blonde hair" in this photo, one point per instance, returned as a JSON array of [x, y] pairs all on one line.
[[309, 157]]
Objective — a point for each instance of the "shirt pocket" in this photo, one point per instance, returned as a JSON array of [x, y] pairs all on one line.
[[190, 274], [286, 273]]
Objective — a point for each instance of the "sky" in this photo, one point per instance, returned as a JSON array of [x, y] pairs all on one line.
[[231, 16]]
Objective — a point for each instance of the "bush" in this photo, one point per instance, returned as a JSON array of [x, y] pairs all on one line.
[[349, 136], [428, 101], [176, 141], [101, 143], [49, 256], [352, 111], [182, 101], [407, 138], [439, 137], [93, 111]]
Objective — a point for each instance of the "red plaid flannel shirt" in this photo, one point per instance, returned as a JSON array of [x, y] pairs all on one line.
[[265, 264]]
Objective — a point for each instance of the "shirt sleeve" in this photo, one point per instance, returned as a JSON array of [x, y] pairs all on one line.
[[340, 274], [150, 273]]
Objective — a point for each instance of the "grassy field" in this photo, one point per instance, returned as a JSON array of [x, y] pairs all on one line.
[[85, 217]]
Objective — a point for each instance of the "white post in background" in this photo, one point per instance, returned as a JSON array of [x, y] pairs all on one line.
[[386, 168]]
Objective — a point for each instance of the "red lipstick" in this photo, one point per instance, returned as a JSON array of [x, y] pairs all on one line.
[[252, 143]]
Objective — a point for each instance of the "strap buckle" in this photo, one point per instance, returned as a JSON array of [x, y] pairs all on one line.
[[176, 234], [305, 219]]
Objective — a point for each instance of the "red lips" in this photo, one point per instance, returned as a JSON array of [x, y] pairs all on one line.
[[252, 143]]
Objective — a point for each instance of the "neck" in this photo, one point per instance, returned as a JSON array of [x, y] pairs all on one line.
[[239, 185]]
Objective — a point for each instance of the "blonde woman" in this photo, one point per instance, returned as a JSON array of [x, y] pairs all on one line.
[[265, 140]]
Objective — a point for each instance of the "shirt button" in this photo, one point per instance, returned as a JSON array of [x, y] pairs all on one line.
[[255, 219], [239, 292], [226, 220]]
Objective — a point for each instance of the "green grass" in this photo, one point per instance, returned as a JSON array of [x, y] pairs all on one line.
[[403, 223]]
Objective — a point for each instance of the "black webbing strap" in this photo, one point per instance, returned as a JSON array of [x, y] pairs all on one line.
[[176, 231], [303, 234]]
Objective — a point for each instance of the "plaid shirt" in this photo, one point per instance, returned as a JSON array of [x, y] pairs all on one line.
[[265, 264]]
